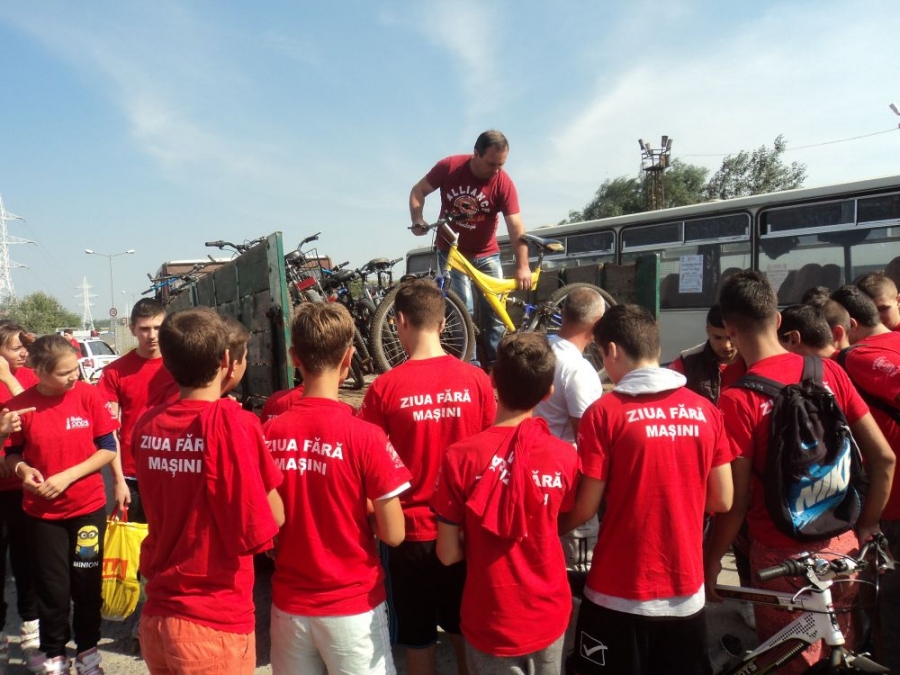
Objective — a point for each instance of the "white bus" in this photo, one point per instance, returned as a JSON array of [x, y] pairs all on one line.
[[824, 236]]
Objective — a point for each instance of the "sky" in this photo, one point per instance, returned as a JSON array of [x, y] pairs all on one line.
[[158, 125]]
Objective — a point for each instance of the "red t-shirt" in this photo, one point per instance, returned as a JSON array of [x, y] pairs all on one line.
[[205, 475], [479, 199], [425, 406], [332, 463], [746, 416], [136, 384], [26, 377], [655, 453], [874, 367], [516, 599], [279, 402], [58, 435]]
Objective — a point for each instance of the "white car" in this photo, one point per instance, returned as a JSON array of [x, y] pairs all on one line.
[[95, 356]]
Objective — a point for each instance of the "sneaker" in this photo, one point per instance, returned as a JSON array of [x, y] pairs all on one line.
[[88, 662], [58, 665], [34, 660], [747, 614], [30, 635]]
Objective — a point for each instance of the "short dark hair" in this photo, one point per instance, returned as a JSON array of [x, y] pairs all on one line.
[[834, 312], [809, 322], [583, 306], [421, 302], [320, 335], [46, 351], [632, 328], [523, 371], [860, 306], [876, 283], [490, 139], [748, 301], [238, 338], [146, 308], [193, 342], [714, 316]]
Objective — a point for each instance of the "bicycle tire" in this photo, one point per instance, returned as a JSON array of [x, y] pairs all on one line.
[[362, 350], [457, 338], [364, 313], [355, 378], [547, 318]]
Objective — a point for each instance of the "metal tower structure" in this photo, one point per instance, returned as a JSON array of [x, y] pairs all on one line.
[[7, 292], [87, 321], [654, 164]]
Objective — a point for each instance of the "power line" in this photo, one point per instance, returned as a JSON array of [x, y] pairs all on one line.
[[801, 147]]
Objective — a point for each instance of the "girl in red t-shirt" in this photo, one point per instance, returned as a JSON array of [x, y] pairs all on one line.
[[14, 379], [66, 436]]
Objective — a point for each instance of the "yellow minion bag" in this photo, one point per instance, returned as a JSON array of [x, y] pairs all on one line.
[[121, 558]]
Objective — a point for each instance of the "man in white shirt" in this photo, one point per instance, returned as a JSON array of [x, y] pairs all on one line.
[[575, 386], [575, 383]]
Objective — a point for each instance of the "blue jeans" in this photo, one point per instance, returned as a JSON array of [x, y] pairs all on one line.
[[489, 323]]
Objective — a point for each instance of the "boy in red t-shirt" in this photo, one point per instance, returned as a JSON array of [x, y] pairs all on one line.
[[750, 308], [658, 454], [505, 488], [134, 383], [427, 403], [328, 595], [873, 364], [211, 504]]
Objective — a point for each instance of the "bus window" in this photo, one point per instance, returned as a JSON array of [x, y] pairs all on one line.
[[826, 244], [694, 255], [809, 217], [874, 253], [793, 265], [882, 209]]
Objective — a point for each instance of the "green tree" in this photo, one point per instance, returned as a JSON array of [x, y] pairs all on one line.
[[684, 184], [40, 313], [756, 172]]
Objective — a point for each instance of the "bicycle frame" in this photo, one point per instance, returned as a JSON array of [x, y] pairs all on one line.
[[817, 622], [496, 291]]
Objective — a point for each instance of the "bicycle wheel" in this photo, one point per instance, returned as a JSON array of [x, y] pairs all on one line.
[[548, 317], [457, 338]]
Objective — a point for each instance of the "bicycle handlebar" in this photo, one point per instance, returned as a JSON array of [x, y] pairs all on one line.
[[313, 237], [800, 567], [789, 568], [215, 244]]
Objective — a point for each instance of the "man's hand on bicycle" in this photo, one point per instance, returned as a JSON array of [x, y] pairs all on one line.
[[419, 228], [523, 277]]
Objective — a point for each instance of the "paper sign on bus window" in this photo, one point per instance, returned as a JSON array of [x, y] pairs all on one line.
[[690, 277]]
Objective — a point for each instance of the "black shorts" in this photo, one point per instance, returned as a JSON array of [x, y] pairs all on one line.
[[608, 642], [423, 593]]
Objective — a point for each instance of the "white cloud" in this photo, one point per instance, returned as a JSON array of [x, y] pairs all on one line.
[[788, 72]]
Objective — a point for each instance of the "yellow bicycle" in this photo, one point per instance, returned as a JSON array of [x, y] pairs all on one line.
[[458, 337]]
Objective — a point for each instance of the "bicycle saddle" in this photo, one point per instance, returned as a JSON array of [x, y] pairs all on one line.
[[379, 263], [549, 245]]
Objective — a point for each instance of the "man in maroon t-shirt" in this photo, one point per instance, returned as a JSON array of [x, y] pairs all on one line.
[[477, 186]]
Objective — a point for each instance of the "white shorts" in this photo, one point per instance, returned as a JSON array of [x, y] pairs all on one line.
[[314, 645]]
